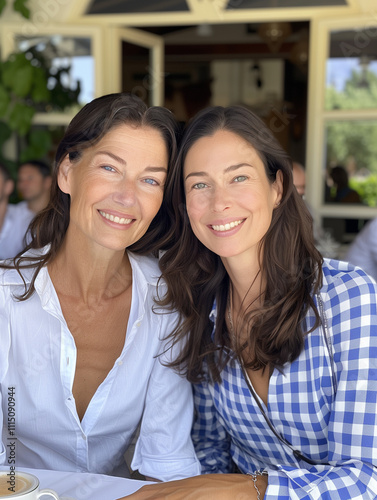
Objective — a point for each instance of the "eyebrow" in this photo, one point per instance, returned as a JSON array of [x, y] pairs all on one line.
[[231, 168], [123, 162]]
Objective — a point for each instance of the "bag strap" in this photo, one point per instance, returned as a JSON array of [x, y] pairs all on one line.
[[328, 342], [296, 453]]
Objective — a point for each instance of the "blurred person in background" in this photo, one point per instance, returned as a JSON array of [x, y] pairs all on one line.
[[299, 178], [33, 184], [363, 250], [344, 193], [324, 241], [13, 221]]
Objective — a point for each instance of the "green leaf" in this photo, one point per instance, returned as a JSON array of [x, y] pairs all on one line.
[[20, 6], [10, 68], [39, 91], [40, 137], [20, 118], [39, 143], [23, 81], [5, 133], [2, 5], [4, 101]]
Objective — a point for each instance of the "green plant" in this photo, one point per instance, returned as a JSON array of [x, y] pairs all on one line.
[[367, 189], [30, 83], [20, 6]]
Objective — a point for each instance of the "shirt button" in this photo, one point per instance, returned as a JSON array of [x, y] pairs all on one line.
[[138, 324], [120, 362], [83, 436]]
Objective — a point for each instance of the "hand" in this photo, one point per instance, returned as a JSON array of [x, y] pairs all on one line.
[[205, 487]]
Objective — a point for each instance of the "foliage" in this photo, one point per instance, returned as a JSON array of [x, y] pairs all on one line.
[[347, 140], [20, 6], [367, 188], [28, 85]]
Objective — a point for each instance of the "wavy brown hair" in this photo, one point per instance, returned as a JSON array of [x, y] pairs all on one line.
[[196, 276], [86, 129]]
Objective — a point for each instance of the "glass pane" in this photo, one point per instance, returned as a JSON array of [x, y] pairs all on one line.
[[69, 59], [351, 145], [351, 79], [269, 4], [137, 74], [136, 7]]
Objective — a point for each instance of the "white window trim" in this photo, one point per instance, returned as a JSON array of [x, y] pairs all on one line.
[[319, 51]]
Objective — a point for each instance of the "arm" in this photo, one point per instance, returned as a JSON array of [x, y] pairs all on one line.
[[164, 448], [207, 487], [210, 438], [352, 426], [212, 445]]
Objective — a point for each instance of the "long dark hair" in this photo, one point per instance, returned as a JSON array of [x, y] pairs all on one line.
[[196, 276], [86, 129]]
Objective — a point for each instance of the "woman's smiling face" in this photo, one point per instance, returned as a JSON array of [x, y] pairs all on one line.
[[116, 187], [229, 198]]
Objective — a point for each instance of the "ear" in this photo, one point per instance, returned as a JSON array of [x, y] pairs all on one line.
[[278, 186], [63, 175]]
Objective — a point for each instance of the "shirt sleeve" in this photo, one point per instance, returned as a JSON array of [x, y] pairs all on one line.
[[164, 449], [363, 251], [352, 428], [210, 438]]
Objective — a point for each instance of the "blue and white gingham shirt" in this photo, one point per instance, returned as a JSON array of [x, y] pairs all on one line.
[[333, 426]]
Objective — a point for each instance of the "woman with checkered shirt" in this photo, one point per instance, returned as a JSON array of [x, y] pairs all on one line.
[[280, 344]]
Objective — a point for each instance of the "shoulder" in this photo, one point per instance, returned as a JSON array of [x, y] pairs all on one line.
[[348, 294], [339, 276], [11, 277], [369, 231], [22, 208], [20, 213]]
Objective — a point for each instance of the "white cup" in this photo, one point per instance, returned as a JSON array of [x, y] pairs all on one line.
[[20, 485]]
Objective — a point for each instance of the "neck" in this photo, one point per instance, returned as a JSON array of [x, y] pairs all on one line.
[[88, 273], [38, 204], [245, 294], [245, 276]]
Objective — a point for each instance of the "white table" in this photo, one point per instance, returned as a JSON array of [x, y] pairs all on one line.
[[85, 486]]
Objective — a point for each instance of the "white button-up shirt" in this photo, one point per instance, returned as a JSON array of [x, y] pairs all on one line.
[[13, 230], [38, 360]]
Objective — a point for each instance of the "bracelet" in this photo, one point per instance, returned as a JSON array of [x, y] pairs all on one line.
[[254, 477]]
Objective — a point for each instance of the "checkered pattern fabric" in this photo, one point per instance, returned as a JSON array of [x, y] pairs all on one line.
[[336, 427]]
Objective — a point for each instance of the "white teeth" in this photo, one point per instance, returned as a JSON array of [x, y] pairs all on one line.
[[227, 226], [118, 220]]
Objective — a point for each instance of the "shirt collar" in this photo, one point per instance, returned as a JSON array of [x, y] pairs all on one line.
[[145, 267]]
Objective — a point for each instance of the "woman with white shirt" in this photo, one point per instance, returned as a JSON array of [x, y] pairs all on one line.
[[80, 334]]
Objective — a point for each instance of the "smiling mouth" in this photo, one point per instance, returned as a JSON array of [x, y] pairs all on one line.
[[115, 218], [227, 226]]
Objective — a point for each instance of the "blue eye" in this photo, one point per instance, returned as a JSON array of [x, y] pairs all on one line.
[[199, 185], [108, 168], [240, 178], [151, 181]]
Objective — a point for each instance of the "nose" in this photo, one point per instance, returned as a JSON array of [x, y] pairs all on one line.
[[220, 199], [125, 194]]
